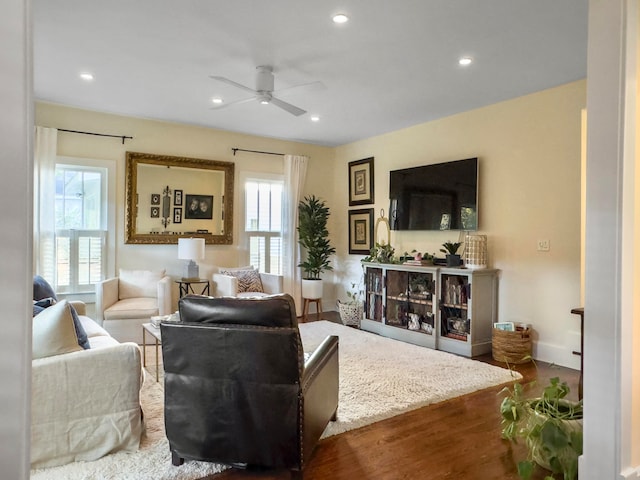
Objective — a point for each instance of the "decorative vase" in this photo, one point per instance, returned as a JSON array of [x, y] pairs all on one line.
[[312, 288], [475, 251]]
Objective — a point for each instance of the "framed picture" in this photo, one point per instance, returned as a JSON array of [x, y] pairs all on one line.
[[198, 207], [155, 199], [177, 215], [177, 198], [361, 231], [155, 212], [361, 182]]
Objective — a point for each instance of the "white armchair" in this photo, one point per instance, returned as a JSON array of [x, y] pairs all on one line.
[[245, 282], [125, 302]]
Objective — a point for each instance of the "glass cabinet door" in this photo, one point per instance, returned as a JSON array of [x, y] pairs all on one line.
[[410, 301], [455, 322], [373, 294]]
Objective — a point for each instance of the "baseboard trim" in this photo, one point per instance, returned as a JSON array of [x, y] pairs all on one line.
[[556, 354]]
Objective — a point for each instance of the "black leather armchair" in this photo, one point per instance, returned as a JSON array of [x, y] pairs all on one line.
[[237, 388]]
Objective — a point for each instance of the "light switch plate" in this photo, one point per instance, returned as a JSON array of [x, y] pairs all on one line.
[[543, 245]]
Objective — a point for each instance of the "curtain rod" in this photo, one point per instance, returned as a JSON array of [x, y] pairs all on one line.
[[254, 151], [123, 137]]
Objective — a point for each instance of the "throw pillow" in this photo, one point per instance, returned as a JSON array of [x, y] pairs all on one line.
[[83, 340], [81, 333], [42, 289], [248, 280], [53, 331], [139, 283]]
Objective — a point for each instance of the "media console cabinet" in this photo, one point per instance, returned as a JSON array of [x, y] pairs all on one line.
[[449, 309]]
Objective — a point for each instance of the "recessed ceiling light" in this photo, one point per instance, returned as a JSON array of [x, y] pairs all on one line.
[[216, 100], [86, 76], [464, 61], [340, 18], [315, 118]]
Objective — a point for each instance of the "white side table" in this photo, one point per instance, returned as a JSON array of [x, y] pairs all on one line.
[[155, 333]]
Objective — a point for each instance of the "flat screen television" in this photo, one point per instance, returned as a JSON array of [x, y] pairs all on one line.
[[441, 196]]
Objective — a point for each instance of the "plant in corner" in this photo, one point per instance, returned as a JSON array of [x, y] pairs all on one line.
[[451, 249], [551, 426], [313, 237]]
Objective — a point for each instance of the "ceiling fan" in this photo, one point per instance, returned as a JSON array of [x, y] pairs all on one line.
[[264, 92]]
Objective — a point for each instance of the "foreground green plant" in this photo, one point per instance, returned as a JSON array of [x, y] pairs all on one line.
[[550, 425]]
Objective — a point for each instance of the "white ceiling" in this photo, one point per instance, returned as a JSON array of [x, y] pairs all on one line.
[[393, 65]]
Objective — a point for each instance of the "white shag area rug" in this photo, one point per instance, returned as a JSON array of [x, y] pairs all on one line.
[[379, 378]]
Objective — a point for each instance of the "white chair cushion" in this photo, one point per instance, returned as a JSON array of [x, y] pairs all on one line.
[[53, 331], [132, 308], [139, 283]]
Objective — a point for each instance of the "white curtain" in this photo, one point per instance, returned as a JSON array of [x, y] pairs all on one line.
[[44, 191], [295, 172]]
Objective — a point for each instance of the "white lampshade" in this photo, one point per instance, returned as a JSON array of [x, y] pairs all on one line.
[[191, 248]]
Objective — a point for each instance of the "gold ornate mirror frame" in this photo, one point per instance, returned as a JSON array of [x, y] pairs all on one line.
[[156, 199]]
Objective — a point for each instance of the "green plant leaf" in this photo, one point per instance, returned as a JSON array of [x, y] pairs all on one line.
[[554, 436], [525, 469], [576, 442]]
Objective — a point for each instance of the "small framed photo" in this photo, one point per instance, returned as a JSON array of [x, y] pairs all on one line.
[[361, 182], [198, 207], [177, 215], [506, 326], [155, 199], [155, 212], [177, 198], [361, 231]]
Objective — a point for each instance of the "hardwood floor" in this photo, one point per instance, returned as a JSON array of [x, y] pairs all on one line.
[[455, 439]]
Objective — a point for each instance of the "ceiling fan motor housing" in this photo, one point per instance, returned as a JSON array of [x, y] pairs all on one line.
[[264, 79]]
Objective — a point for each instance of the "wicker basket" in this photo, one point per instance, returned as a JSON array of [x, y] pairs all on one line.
[[511, 347]]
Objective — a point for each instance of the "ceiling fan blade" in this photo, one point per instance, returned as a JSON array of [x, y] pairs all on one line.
[[223, 105], [232, 83], [306, 87], [288, 107]]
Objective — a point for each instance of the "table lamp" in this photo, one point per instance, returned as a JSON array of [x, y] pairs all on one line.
[[191, 249]]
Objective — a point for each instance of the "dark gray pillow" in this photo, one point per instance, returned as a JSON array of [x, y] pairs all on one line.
[[42, 289], [83, 340]]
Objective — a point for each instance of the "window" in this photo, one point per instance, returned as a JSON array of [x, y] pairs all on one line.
[[263, 223], [81, 227]]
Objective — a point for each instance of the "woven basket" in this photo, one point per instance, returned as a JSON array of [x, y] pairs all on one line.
[[350, 313], [511, 347]]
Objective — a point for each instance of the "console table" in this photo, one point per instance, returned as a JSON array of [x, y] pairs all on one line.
[[446, 308]]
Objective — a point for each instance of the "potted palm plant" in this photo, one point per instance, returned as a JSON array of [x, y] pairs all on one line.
[[451, 249], [313, 237], [551, 426]]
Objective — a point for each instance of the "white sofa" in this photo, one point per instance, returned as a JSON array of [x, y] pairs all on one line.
[[85, 403], [226, 283], [125, 302]]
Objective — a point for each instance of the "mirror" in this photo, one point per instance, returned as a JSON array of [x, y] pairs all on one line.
[[172, 197]]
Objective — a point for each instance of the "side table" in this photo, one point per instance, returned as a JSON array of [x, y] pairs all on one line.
[[155, 333], [186, 286]]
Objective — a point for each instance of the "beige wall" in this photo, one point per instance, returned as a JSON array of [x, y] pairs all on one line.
[[529, 151], [180, 140], [529, 189]]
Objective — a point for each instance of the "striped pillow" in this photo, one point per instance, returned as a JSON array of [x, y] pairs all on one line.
[[248, 280]]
